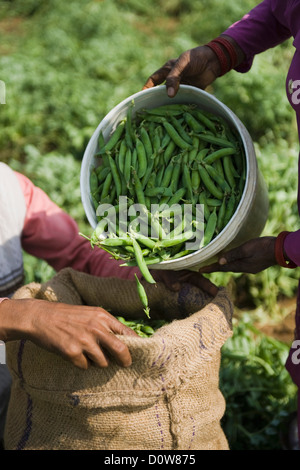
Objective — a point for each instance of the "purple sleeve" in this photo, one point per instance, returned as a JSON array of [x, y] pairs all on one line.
[[292, 247], [259, 30]]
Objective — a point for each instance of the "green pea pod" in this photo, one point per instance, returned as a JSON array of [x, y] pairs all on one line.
[[134, 158], [216, 140], [151, 181], [106, 186], [102, 172], [93, 181], [148, 173], [166, 110], [142, 296], [159, 176], [228, 171], [168, 242], [218, 166], [165, 141], [121, 156], [192, 155], [210, 227], [204, 120], [118, 241], [129, 133], [156, 141], [221, 215], [148, 242], [159, 191], [230, 209], [195, 179], [202, 154], [114, 138], [141, 263], [178, 140], [212, 157], [213, 202], [203, 201], [142, 158], [169, 151], [127, 165], [167, 175], [217, 178], [178, 230], [239, 161], [175, 176], [146, 141], [181, 130], [116, 176], [148, 330], [177, 197], [209, 184], [148, 260], [139, 189], [186, 178], [193, 123]]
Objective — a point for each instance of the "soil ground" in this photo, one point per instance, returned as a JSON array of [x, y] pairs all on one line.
[[283, 329]]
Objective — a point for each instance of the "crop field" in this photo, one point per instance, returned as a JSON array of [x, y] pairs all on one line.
[[65, 65]]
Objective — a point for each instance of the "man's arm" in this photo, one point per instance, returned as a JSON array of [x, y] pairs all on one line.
[[52, 235]]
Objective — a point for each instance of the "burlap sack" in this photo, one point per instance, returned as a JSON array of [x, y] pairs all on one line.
[[169, 397]]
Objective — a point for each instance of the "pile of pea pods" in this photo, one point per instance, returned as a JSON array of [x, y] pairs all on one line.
[[167, 156]]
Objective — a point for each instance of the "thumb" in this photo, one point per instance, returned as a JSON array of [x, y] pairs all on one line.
[[174, 77], [172, 85]]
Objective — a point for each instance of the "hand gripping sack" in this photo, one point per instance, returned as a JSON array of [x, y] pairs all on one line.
[[168, 399]]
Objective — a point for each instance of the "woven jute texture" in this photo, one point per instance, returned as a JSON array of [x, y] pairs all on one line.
[[168, 399]]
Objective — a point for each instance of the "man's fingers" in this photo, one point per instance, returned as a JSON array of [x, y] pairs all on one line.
[[119, 329], [149, 84], [117, 349], [174, 77], [159, 76], [215, 267], [200, 281]]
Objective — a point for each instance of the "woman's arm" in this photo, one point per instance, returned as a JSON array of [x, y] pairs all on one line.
[[256, 32], [260, 29]]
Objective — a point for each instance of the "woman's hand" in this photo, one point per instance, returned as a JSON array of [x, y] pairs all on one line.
[[198, 67], [80, 334], [251, 257]]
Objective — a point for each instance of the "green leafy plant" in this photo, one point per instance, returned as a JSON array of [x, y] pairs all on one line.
[[67, 64], [258, 390]]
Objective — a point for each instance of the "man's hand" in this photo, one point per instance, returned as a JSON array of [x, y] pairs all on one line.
[[198, 67], [251, 257], [80, 334], [173, 280]]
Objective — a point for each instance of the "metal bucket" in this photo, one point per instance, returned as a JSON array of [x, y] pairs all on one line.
[[251, 214]]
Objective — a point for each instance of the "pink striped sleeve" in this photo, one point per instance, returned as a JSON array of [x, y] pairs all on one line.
[[52, 235]]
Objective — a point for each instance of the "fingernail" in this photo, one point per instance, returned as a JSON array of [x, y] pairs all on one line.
[[171, 92], [222, 261]]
